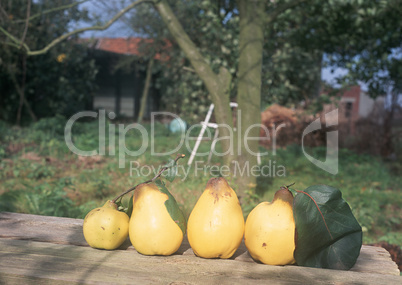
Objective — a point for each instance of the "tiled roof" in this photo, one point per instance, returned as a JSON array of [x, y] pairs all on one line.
[[348, 91], [127, 46]]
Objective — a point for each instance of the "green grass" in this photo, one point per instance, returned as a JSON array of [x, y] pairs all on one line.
[[40, 175]]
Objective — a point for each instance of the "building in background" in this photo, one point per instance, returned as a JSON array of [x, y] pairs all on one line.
[[354, 104], [120, 86]]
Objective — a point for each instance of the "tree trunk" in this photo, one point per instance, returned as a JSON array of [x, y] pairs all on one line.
[[249, 87], [387, 146], [19, 110], [145, 92], [316, 88], [21, 92], [30, 112], [117, 90], [22, 87], [217, 84], [138, 82]]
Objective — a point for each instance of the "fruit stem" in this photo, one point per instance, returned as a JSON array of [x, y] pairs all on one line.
[[150, 180], [287, 186]]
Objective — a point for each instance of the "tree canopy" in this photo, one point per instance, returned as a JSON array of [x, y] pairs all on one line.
[[295, 43]]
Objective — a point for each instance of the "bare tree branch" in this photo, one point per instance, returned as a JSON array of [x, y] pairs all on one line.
[[16, 42], [24, 34], [57, 40], [189, 69], [60, 8], [218, 85], [21, 93], [11, 44], [145, 91], [3, 12]]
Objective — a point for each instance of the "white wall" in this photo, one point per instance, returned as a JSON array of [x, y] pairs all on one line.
[[367, 104]]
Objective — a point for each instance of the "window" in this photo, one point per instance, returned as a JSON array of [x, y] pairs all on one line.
[[348, 109]]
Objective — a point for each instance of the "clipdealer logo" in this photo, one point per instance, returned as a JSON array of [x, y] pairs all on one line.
[[330, 164], [117, 137]]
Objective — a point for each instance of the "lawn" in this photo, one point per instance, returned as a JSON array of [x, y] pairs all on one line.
[[40, 175]]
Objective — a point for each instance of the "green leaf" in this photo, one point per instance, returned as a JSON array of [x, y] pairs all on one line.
[[293, 191], [327, 233], [171, 205], [171, 171], [120, 206], [130, 207]]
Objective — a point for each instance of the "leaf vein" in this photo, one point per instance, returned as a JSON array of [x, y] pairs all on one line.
[[319, 210]]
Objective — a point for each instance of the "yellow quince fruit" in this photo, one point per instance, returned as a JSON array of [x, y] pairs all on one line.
[[106, 227], [157, 225], [216, 224], [270, 230]]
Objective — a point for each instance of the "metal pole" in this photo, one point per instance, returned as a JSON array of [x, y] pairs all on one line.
[[204, 126]]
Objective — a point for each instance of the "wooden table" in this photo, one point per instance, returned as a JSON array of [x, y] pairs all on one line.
[[50, 250]]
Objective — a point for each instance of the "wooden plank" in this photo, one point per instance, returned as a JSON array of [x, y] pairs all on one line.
[[58, 244], [69, 231], [14, 279], [67, 263], [42, 228]]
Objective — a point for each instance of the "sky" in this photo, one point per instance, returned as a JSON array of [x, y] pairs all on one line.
[[329, 76], [96, 9]]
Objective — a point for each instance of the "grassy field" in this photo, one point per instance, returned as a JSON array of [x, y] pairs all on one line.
[[40, 175]]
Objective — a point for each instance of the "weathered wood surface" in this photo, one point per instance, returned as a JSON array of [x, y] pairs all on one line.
[[49, 250]]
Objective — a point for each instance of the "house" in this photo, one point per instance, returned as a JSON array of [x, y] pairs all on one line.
[[355, 104], [120, 85]]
